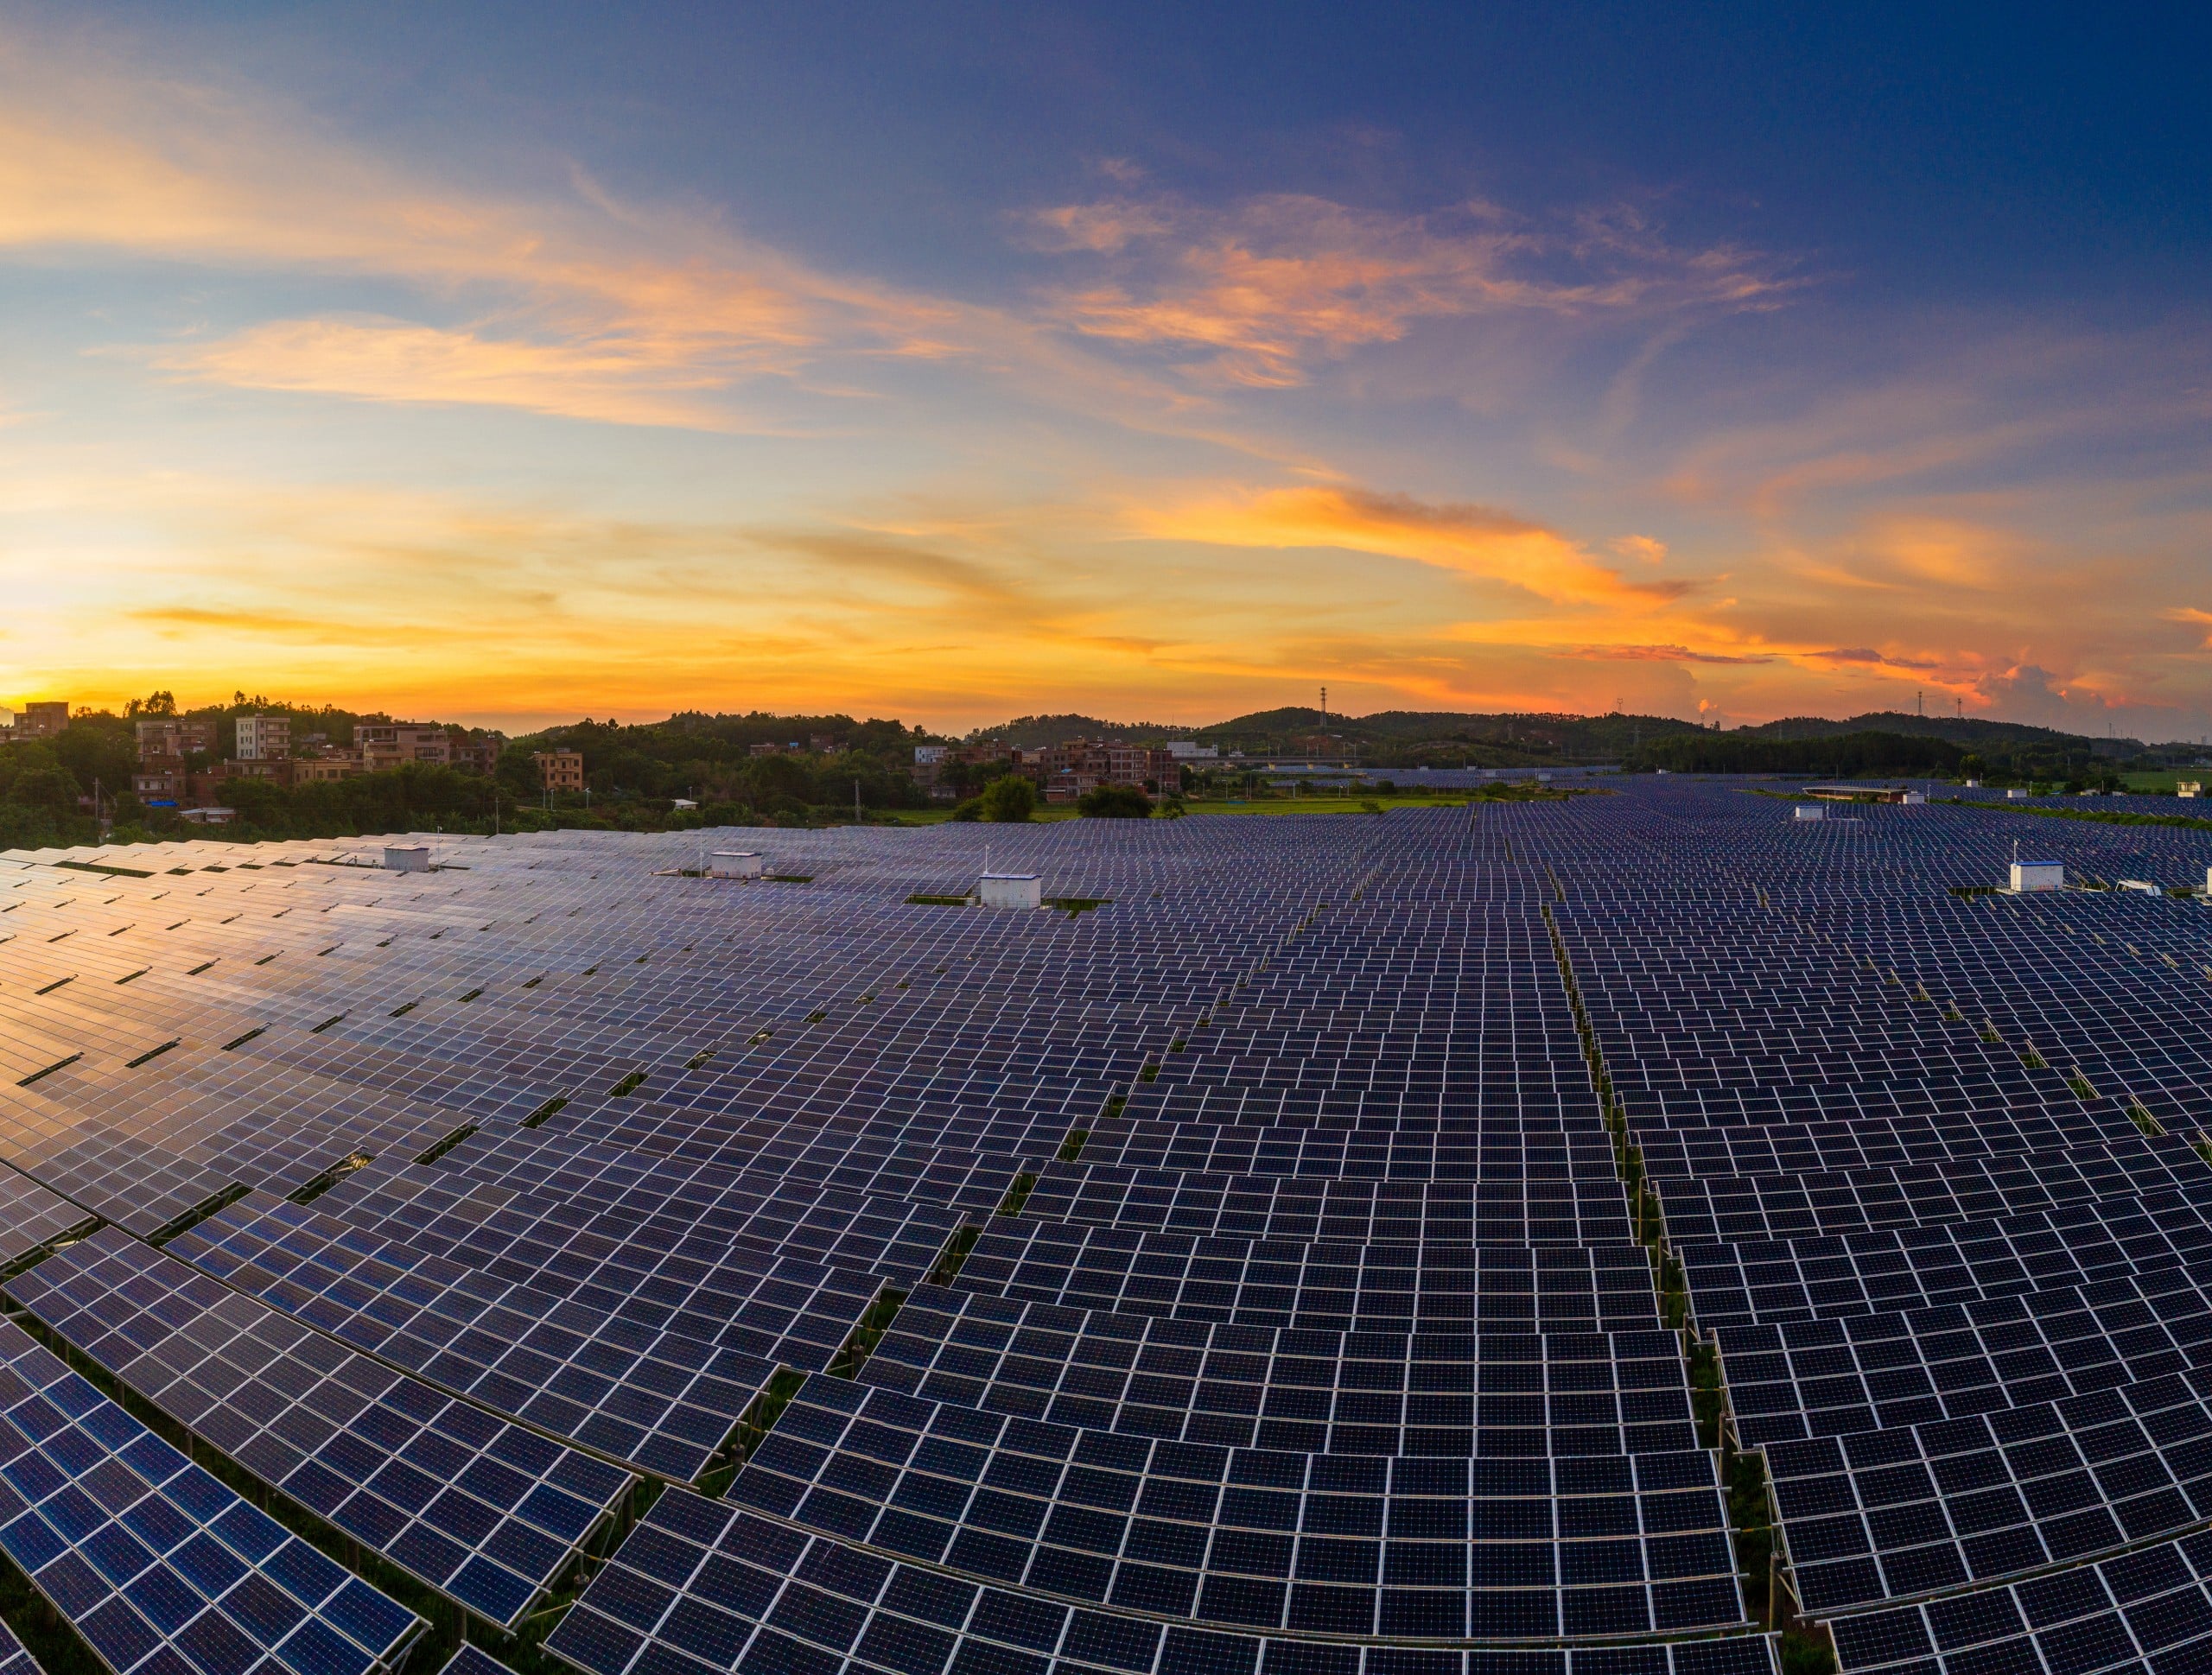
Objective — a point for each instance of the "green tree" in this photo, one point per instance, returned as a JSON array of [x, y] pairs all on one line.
[[18, 760], [1008, 799], [261, 802], [99, 746], [518, 775], [1115, 802], [779, 777], [51, 789]]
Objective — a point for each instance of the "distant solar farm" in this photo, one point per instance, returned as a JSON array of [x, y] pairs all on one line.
[[1646, 1233]]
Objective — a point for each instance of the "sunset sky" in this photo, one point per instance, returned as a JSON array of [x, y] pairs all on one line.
[[506, 364]]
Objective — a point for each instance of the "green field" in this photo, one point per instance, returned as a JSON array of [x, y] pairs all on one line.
[[2160, 782]]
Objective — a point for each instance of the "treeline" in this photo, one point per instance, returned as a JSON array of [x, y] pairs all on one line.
[[50, 790], [38, 801], [771, 791], [710, 758], [312, 724], [1842, 756]]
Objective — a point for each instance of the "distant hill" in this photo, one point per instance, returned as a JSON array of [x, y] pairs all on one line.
[[1404, 737], [1389, 739], [1842, 755], [1408, 737], [1033, 732], [1967, 733]]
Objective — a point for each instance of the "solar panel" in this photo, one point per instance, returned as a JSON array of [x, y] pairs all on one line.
[[14, 1660], [700, 1584], [486, 1513], [1323, 1287], [1905, 1511], [142, 1550], [1918, 1366], [659, 1400], [2149, 1609], [31, 1217], [1343, 1543], [1750, 1281], [1502, 1394]]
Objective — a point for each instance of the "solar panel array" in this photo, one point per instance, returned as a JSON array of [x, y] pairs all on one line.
[[483, 1511], [1243, 1272], [1929, 1158], [704, 1585], [1503, 1395], [14, 1660], [658, 1399], [152, 1558], [1425, 1546]]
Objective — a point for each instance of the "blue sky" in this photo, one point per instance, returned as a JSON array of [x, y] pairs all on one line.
[[508, 362]]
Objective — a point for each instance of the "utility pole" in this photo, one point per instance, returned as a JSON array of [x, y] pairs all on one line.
[[856, 802]]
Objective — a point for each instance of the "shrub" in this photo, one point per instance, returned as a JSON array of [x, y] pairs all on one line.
[[1012, 798], [1115, 802]]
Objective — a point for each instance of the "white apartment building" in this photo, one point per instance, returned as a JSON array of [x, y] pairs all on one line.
[[264, 738]]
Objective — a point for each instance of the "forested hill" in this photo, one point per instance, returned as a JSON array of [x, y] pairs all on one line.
[[1967, 732], [1838, 755], [1408, 737]]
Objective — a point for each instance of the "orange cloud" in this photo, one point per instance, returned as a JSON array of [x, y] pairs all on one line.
[[1254, 289], [616, 380], [1867, 654], [577, 305], [2196, 617], [1657, 654], [1470, 540]]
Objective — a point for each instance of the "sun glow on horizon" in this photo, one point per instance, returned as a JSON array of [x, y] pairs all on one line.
[[286, 405]]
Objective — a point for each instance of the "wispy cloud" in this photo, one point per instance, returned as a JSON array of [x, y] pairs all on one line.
[[2196, 619], [1253, 293], [1867, 655], [614, 382], [1659, 654], [298, 628], [575, 304], [1474, 541]]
